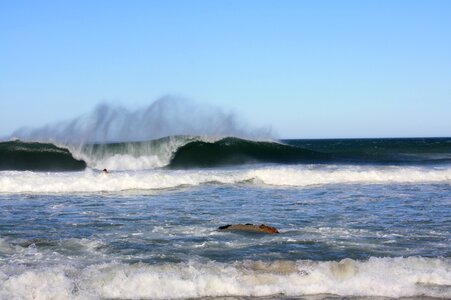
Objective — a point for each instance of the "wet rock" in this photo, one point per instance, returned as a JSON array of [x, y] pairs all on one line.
[[262, 228]]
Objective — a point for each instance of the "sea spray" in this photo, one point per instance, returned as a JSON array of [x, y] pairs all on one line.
[[167, 116], [118, 138]]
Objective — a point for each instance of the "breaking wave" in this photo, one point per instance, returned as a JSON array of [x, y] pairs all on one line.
[[380, 277], [91, 181], [174, 152], [234, 151], [182, 152]]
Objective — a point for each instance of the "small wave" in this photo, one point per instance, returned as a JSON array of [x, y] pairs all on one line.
[[91, 181], [377, 277]]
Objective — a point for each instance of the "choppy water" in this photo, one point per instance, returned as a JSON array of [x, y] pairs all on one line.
[[390, 239]]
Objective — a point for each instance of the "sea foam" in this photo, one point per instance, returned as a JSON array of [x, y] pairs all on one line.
[[386, 277]]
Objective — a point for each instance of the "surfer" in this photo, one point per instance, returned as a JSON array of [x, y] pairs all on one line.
[[105, 171]]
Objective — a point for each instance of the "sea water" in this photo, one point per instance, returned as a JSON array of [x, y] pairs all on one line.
[[346, 230]]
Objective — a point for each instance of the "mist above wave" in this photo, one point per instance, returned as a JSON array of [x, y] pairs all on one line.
[[167, 116]]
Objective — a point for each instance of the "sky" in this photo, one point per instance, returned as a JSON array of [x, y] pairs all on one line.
[[307, 69]]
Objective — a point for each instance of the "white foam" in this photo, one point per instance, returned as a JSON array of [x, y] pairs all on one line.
[[386, 277], [39, 285], [318, 175], [133, 156], [295, 176], [128, 162]]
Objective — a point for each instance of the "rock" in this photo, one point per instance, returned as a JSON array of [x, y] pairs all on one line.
[[262, 228]]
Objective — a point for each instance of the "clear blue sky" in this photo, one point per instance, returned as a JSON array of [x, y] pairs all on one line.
[[311, 69]]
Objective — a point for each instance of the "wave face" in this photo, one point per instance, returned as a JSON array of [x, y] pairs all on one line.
[[17, 155], [234, 151]]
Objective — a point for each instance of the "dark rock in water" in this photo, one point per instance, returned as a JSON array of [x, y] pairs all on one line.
[[262, 228]]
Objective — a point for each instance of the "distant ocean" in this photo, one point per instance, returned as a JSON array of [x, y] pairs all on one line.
[[358, 218]]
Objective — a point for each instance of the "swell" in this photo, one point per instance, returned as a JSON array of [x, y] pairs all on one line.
[[382, 150], [17, 155]]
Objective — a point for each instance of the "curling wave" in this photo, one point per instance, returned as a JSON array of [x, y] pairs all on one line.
[[234, 151]]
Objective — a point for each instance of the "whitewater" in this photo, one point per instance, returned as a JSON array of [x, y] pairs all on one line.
[[91, 181], [362, 218]]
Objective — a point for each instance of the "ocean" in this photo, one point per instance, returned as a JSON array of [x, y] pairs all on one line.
[[358, 218]]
